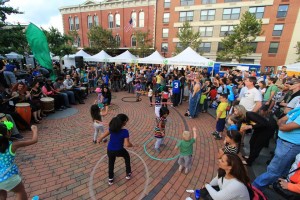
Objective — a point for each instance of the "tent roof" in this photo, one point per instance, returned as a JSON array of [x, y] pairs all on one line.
[[293, 67], [79, 53], [189, 57], [124, 57], [102, 56], [13, 55], [154, 58]]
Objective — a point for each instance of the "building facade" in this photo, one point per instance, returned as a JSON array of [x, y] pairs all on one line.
[[213, 18], [114, 15]]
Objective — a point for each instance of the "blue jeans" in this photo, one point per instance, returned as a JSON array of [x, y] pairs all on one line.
[[66, 99], [10, 77], [285, 154], [71, 96]]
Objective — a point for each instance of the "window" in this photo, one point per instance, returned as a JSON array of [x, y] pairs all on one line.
[[273, 47], [133, 41], [227, 1], [254, 46], [166, 18], [231, 13], [78, 42], [164, 47], [226, 30], [118, 20], [257, 11], [71, 24], [186, 2], [110, 21], [118, 40], [206, 31], [141, 19], [96, 20], [186, 16], [90, 43], [90, 22], [207, 15], [76, 23], [208, 1], [165, 33], [277, 31], [220, 47], [167, 3], [205, 47], [282, 11], [133, 17]]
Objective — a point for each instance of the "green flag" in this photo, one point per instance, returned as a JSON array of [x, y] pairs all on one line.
[[39, 46]]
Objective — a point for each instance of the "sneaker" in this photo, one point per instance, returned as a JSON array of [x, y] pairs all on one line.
[[162, 145], [218, 137], [17, 137], [180, 168], [128, 176], [94, 141], [186, 171], [110, 181], [157, 150], [215, 133]]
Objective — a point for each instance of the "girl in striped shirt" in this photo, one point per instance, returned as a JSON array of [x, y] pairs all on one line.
[[159, 131], [232, 143]]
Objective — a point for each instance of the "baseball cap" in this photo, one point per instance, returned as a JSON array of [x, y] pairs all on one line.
[[293, 81]]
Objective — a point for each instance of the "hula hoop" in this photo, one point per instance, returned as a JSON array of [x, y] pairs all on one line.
[[123, 99], [91, 182], [160, 159]]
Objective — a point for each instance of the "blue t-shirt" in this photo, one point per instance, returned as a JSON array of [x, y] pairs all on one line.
[[116, 141], [176, 87], [233, 127], [8, 168], [294, 135]]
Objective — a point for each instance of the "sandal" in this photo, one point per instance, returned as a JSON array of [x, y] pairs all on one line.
[[37, 122]]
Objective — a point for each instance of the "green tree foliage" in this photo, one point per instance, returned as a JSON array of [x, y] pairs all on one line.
[[188, 38], [102, 39], [6, 10], [298, 51], [143, 44], [238, 44], [59, 44]]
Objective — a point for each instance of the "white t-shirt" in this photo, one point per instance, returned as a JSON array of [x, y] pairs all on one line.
[[249, 97], [294, 103], [230, 189], [150, 93]]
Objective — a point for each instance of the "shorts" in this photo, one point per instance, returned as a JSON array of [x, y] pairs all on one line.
[[10, 183]]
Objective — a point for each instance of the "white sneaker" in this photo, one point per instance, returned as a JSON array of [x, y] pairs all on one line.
[[180, 168], [186, 171]]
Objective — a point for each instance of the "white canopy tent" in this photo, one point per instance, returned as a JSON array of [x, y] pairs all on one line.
[[102, 56], [13, 55], [189, 57], [154, 58], [293, 69], [79, 53], [125, 57]]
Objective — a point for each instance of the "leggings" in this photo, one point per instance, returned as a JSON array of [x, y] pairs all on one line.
[[112, 158], [98, 127]]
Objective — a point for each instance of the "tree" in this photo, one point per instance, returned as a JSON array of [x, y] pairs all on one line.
[[5, 10], [188, 38], [59, 44], [238, 44], [298, 51], [102, 39], [143, 46]]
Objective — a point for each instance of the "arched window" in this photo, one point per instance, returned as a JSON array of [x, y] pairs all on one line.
[[118, 20], [118, 40], [76, 23], [90, 22], [133, 41], [96, 20], [141, 19], [110, 21], [133, 17], [71, 23]]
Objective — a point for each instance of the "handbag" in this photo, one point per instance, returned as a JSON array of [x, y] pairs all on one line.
[[205, 195], [284, 192]]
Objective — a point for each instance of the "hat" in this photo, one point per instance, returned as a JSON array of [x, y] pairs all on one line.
[[293, 81], [98, 90]]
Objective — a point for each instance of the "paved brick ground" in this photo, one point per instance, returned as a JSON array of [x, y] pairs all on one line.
[[60, 164]]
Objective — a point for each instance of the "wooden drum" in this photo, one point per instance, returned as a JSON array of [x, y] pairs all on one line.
[[24, 110], [47, 104]]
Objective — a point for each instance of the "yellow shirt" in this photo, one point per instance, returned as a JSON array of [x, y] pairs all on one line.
[[222, 108], [158, 79]]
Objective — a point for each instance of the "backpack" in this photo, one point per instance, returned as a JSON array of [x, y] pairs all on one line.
[[255, 194]]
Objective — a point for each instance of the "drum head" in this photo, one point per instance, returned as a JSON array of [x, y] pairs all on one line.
[[22, 104], [47, 99]]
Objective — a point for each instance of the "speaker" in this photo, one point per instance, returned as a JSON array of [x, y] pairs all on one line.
[[79, 61]]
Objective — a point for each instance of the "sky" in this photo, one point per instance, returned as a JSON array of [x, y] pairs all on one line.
[[43, 13]]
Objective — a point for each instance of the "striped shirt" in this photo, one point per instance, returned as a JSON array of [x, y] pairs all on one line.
[[230, 149]]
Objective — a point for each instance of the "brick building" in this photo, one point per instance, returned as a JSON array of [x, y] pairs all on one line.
[[213, 18]]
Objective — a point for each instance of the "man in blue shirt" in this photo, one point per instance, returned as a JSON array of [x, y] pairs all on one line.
[[176, 91], [288, 146]]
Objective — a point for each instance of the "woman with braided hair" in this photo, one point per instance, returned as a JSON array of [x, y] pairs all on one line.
[[10, 179]]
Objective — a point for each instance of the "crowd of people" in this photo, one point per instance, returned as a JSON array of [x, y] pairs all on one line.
[[265, 107]]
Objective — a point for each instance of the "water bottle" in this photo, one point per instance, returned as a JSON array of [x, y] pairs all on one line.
[[35, 198], [197, 194]]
